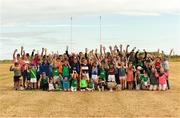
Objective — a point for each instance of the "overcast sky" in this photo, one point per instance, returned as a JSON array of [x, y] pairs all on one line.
[[149, 24]]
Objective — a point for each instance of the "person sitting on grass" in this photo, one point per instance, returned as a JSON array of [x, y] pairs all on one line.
[[74, 77], [145, 81], [50, 84], [43, 81], [83, 82]]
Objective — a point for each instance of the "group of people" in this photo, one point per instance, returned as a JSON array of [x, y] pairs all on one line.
[[113, 70]]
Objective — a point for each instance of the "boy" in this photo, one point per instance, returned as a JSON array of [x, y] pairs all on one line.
[[74, 76], [17, 75], [102, 77], [145, 81], [43, 81]]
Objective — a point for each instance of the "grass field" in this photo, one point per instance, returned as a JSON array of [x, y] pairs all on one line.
[[123, 103]]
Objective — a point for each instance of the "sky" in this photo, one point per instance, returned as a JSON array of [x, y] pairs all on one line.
[[145, 24]]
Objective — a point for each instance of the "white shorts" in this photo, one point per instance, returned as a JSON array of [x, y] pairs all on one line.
[[33, 80], [51, 87], [73, 88], [162, 87], [94, 77], [111, 78], [145, 83]]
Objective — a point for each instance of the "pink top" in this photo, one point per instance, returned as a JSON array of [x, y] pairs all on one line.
[[130, 76], [162, 78]]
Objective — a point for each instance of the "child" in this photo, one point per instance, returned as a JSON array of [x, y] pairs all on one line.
[[153, 79], [95, 74], [83, 83], [43, 81], [85, 68], [33, 78], [145, 81], [66, 74], [74, 76], [130, 76], [50, 84], [122, 75], [66, 85], [162, 76], [111, 77], [56, 78], [91, 85], [102, 77], [66, 69], [17, 75], [138, 78]]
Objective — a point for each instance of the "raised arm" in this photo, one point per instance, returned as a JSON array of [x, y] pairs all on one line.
[[14, 54], [42, 53], [100, 49], [127, 49], [22, 49], [86, 53], [121, 48], [67, 53], [145, 53], [11, 68], [32, 54]]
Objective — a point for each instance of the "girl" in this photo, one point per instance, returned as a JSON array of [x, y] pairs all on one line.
[[111, 77], [33, 78], [17, 75], [50, 84], [122, 75], [66, 85], [130, 77], [162, 76], [83, 83], [91, 85]]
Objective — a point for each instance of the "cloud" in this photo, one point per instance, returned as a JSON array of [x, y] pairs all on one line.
[[18, 12]]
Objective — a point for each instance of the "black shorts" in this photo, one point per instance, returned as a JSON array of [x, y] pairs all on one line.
[[83, 87], [16, 78]]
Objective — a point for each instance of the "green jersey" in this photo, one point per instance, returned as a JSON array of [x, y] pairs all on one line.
[[74, 83], [83, 83], [44, 80], [91, 85], [65, 71], [55, 72], [102, 74], [33, 72], [145, 78]]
